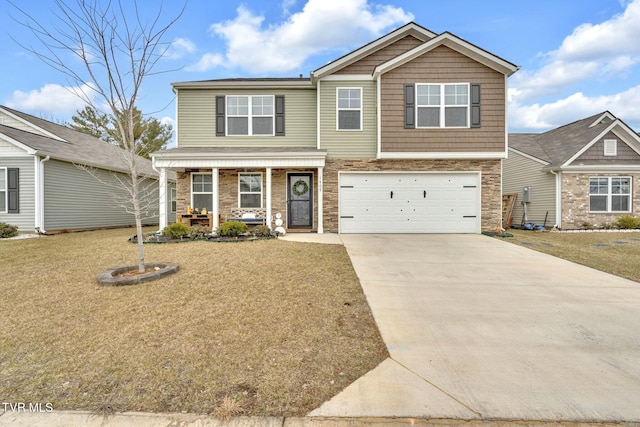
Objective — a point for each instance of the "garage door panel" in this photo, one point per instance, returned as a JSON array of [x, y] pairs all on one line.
[[409, 203]]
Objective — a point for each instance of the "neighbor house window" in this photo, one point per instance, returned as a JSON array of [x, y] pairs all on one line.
[[442, 105], [3, 190], [202, 191], [173, 201], [349, 108], [610, 147], [250, 190], [610, 194], [250, 115]]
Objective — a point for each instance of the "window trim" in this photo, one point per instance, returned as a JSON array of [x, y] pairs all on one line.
[[192, 192], [240, 193], [338, 109], [250, 115], [612, 152], [5, 190], [610, 194], [442, 106]]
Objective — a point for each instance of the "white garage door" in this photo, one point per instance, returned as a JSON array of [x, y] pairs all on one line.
[[381, 202]]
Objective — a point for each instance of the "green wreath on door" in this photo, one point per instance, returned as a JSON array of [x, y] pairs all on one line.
[[300, 187]]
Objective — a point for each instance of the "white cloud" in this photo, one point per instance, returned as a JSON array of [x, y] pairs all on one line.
[[537, 117], [50, 99], [322, 25], [592, 51], [179, 48]]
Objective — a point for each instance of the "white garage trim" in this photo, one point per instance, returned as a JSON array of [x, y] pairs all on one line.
[[409, 202]]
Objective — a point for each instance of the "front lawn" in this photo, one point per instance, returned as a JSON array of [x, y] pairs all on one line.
[[614, 252], [269, 327]]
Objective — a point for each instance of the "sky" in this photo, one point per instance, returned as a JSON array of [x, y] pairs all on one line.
[[576, 57]]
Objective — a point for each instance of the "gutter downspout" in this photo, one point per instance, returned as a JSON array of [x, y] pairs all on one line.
[[39, 208], [558, 223]]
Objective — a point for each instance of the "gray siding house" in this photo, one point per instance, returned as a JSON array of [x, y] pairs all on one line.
[[584, 173], [43, 184], [405, 134]]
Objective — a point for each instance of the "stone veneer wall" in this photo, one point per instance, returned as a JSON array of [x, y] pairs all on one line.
[[491, 209], [575, 201]]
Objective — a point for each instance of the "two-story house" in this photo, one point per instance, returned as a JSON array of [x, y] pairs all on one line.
[[403, 135]]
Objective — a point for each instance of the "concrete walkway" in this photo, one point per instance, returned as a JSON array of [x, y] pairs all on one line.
[[478, 328]]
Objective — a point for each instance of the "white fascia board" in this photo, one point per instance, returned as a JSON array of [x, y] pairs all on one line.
[[443, 155], [611, 128], [32, 126], [528, 156], [346, 77], [602, 169], [455, 43], [28, 150], [607, 115], [231, 163]]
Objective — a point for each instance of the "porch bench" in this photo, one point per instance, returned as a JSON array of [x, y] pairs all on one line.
[[249, 216]]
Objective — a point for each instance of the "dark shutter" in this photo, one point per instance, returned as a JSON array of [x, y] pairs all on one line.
[[279, 115], [475, 105], [220, 115], [13, 190], [409, 106]]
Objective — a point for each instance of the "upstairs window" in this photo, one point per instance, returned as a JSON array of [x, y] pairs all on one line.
[[250, 115], [442, 105], [349, 103]]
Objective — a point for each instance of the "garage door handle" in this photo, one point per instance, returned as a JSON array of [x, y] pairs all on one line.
[[424, 194], [392, 194]]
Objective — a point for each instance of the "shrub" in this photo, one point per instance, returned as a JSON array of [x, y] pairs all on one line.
[[627, 222], [176, 230], [199, 231], [261, 231], [232, 229], [7, 230], [587, 225]]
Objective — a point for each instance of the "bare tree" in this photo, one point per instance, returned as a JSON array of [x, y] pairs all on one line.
[[108, 48]]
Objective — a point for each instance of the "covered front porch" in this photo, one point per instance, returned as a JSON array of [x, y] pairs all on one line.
[[230, 183]]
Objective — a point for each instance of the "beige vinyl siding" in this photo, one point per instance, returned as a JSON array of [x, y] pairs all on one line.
[[519, 171], [8, 149], [25, 220], [443, 65], [8, 120], [196, 119], [74, 199], [348, 144], [367, 64]]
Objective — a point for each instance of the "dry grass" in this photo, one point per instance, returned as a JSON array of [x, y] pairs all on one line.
[[616, 252], [269, 327]]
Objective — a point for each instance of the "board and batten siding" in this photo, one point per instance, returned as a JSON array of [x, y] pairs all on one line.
[[197, 117], [25, 220], [348, 144], [519, 171], [74, 199], [443, 65]]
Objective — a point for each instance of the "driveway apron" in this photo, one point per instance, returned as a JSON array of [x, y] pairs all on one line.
[[478, 328]]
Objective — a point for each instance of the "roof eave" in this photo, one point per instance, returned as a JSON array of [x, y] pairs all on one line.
[[303, 83]]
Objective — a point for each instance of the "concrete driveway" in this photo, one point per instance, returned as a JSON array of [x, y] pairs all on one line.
[[480, 328]]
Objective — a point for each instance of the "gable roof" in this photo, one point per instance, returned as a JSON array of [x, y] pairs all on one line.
[[560, 146], [68, 145], [410, 29]]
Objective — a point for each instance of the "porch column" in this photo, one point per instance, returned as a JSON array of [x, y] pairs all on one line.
[[215, 201], [320, 201], [268, 210], [162, 202]]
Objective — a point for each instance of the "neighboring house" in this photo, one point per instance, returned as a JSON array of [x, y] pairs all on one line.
[[403, 135], [586, 172], [42, 186]]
